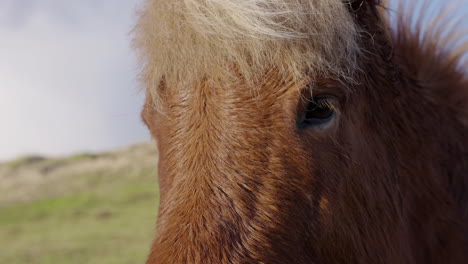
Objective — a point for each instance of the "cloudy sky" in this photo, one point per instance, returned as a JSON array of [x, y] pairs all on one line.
[[68, 76]]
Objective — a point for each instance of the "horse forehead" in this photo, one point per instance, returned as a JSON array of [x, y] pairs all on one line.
[[270, 92], [184, 42]]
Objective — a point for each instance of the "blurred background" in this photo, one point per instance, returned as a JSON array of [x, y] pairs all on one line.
[[78, 180], [68, 77]]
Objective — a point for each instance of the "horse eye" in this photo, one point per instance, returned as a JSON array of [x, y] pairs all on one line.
[[319, 112]]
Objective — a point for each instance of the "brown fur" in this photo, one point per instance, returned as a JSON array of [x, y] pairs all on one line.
[[387, 183]]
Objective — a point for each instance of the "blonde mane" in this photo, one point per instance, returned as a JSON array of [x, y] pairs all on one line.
[[185, 41]]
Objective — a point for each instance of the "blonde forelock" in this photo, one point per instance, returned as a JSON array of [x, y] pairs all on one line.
[[185, 41]]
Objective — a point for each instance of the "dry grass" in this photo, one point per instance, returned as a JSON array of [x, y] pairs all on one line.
[[81, 209]]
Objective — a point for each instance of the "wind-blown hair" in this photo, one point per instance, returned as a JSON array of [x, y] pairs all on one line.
[[185, 41], [438, 33]]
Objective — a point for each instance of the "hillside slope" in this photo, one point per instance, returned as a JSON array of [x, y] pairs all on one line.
[[88, 208]]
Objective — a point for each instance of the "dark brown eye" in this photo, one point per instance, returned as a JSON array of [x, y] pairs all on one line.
[[319, 112]]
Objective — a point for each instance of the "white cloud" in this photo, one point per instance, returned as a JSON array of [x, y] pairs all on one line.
[[68, 78]]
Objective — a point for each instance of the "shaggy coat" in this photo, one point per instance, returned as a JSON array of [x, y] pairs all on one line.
[[384, 181]]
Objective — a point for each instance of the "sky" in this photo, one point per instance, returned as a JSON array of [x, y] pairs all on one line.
[[69, 78]]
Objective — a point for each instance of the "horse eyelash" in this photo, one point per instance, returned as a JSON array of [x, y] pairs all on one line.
[[325, 103]]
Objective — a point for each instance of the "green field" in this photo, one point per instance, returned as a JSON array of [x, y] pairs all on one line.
[[84, 209]]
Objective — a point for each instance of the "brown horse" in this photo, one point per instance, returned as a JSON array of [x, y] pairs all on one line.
[[305, 131]]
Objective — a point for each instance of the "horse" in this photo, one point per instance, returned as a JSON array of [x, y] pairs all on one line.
[[306, 131]]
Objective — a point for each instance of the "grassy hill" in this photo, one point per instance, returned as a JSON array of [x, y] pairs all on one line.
[[88, 208]]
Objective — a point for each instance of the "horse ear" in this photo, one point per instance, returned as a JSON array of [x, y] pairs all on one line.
[[356, 5], [371, 17], [368, 14], [364, 8]]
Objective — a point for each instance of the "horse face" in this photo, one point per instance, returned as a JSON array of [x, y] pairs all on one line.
[[317, 169], [293, 172], [286, 174], [245, 170]]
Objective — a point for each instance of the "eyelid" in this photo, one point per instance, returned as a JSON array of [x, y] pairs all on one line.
[[327, 101]]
